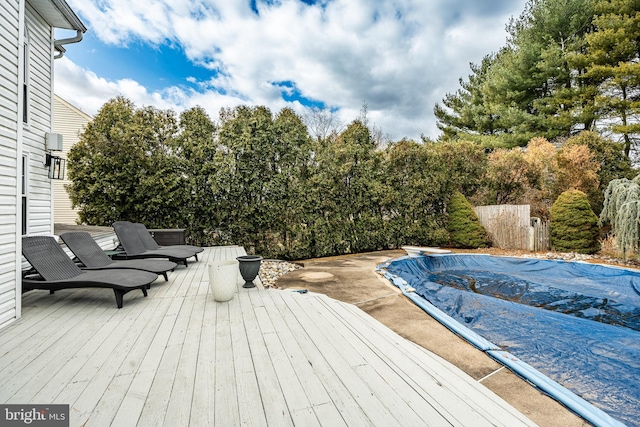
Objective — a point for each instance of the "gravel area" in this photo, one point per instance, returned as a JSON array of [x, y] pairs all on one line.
[[272, 269]]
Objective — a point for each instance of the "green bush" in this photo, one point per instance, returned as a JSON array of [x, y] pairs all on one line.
[[574, 226], [465, 230], [257, 179]]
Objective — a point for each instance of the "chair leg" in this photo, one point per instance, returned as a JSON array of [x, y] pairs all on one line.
[[196, 255], [119, 297], [179, 260], [166, 277]]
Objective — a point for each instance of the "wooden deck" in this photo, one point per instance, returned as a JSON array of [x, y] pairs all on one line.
[[267, 357]]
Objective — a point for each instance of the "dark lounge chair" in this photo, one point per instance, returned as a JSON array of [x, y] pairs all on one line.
[[151, 245], [134, 249], [58, 271], [93, 257]]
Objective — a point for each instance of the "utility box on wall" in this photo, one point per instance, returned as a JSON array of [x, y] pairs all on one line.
[[53, 141]]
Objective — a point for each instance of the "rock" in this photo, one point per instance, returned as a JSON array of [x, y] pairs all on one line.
[[271, 270]]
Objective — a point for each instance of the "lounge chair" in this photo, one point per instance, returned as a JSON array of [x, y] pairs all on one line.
[[134, 249], [93, 257], [151, 245], [58, 271]]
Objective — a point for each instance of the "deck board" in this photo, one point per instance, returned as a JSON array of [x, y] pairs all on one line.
[[265, 358], [273, 402], [322, 334], [453, 379], [248, 390], [407, 377], [348, 408], [378, 377]]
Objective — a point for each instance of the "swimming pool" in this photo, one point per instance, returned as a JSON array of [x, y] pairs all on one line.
[[577, 323]]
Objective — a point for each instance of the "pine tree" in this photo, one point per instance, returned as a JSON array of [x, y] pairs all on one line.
[[612, 56], [533, 86]]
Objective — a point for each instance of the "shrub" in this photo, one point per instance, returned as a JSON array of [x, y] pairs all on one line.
[[622, 211], [574, 226], [465, 230]]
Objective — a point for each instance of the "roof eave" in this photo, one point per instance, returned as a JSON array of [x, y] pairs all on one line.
[[58, 14]]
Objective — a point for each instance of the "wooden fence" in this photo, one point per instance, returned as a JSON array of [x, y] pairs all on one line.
[[540, 235], [511, 227]]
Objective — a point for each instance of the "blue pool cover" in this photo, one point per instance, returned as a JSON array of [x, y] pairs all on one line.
[[577, 323]]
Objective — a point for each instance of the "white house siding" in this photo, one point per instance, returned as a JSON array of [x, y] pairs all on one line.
[[9, 31], [70, 122], [40, 205]]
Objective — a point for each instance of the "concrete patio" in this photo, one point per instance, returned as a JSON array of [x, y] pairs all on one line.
[[267, 357]]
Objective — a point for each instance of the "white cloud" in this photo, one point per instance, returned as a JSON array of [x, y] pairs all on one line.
[[89, 92], [401, 56]]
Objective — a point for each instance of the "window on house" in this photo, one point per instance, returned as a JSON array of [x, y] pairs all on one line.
[[24, 184], [25, 78]]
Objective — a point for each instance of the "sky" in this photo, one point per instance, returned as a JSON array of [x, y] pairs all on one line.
[[399, 57]]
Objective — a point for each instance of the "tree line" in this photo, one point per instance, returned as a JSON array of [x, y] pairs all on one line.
[[568, 66], [258, 179]]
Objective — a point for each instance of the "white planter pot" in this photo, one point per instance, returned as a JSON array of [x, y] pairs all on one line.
[[223, 279]]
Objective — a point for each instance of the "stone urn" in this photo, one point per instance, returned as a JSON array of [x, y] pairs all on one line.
[[249, 267]]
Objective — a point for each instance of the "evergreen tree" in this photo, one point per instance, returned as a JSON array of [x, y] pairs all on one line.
[[574, 226], [531, 86], [418, 180], [465, 114], [465, 230], [288, 213], [613, 59], [534, 86], [248, 140], [124, 167], [346, 193], [201, 166]]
